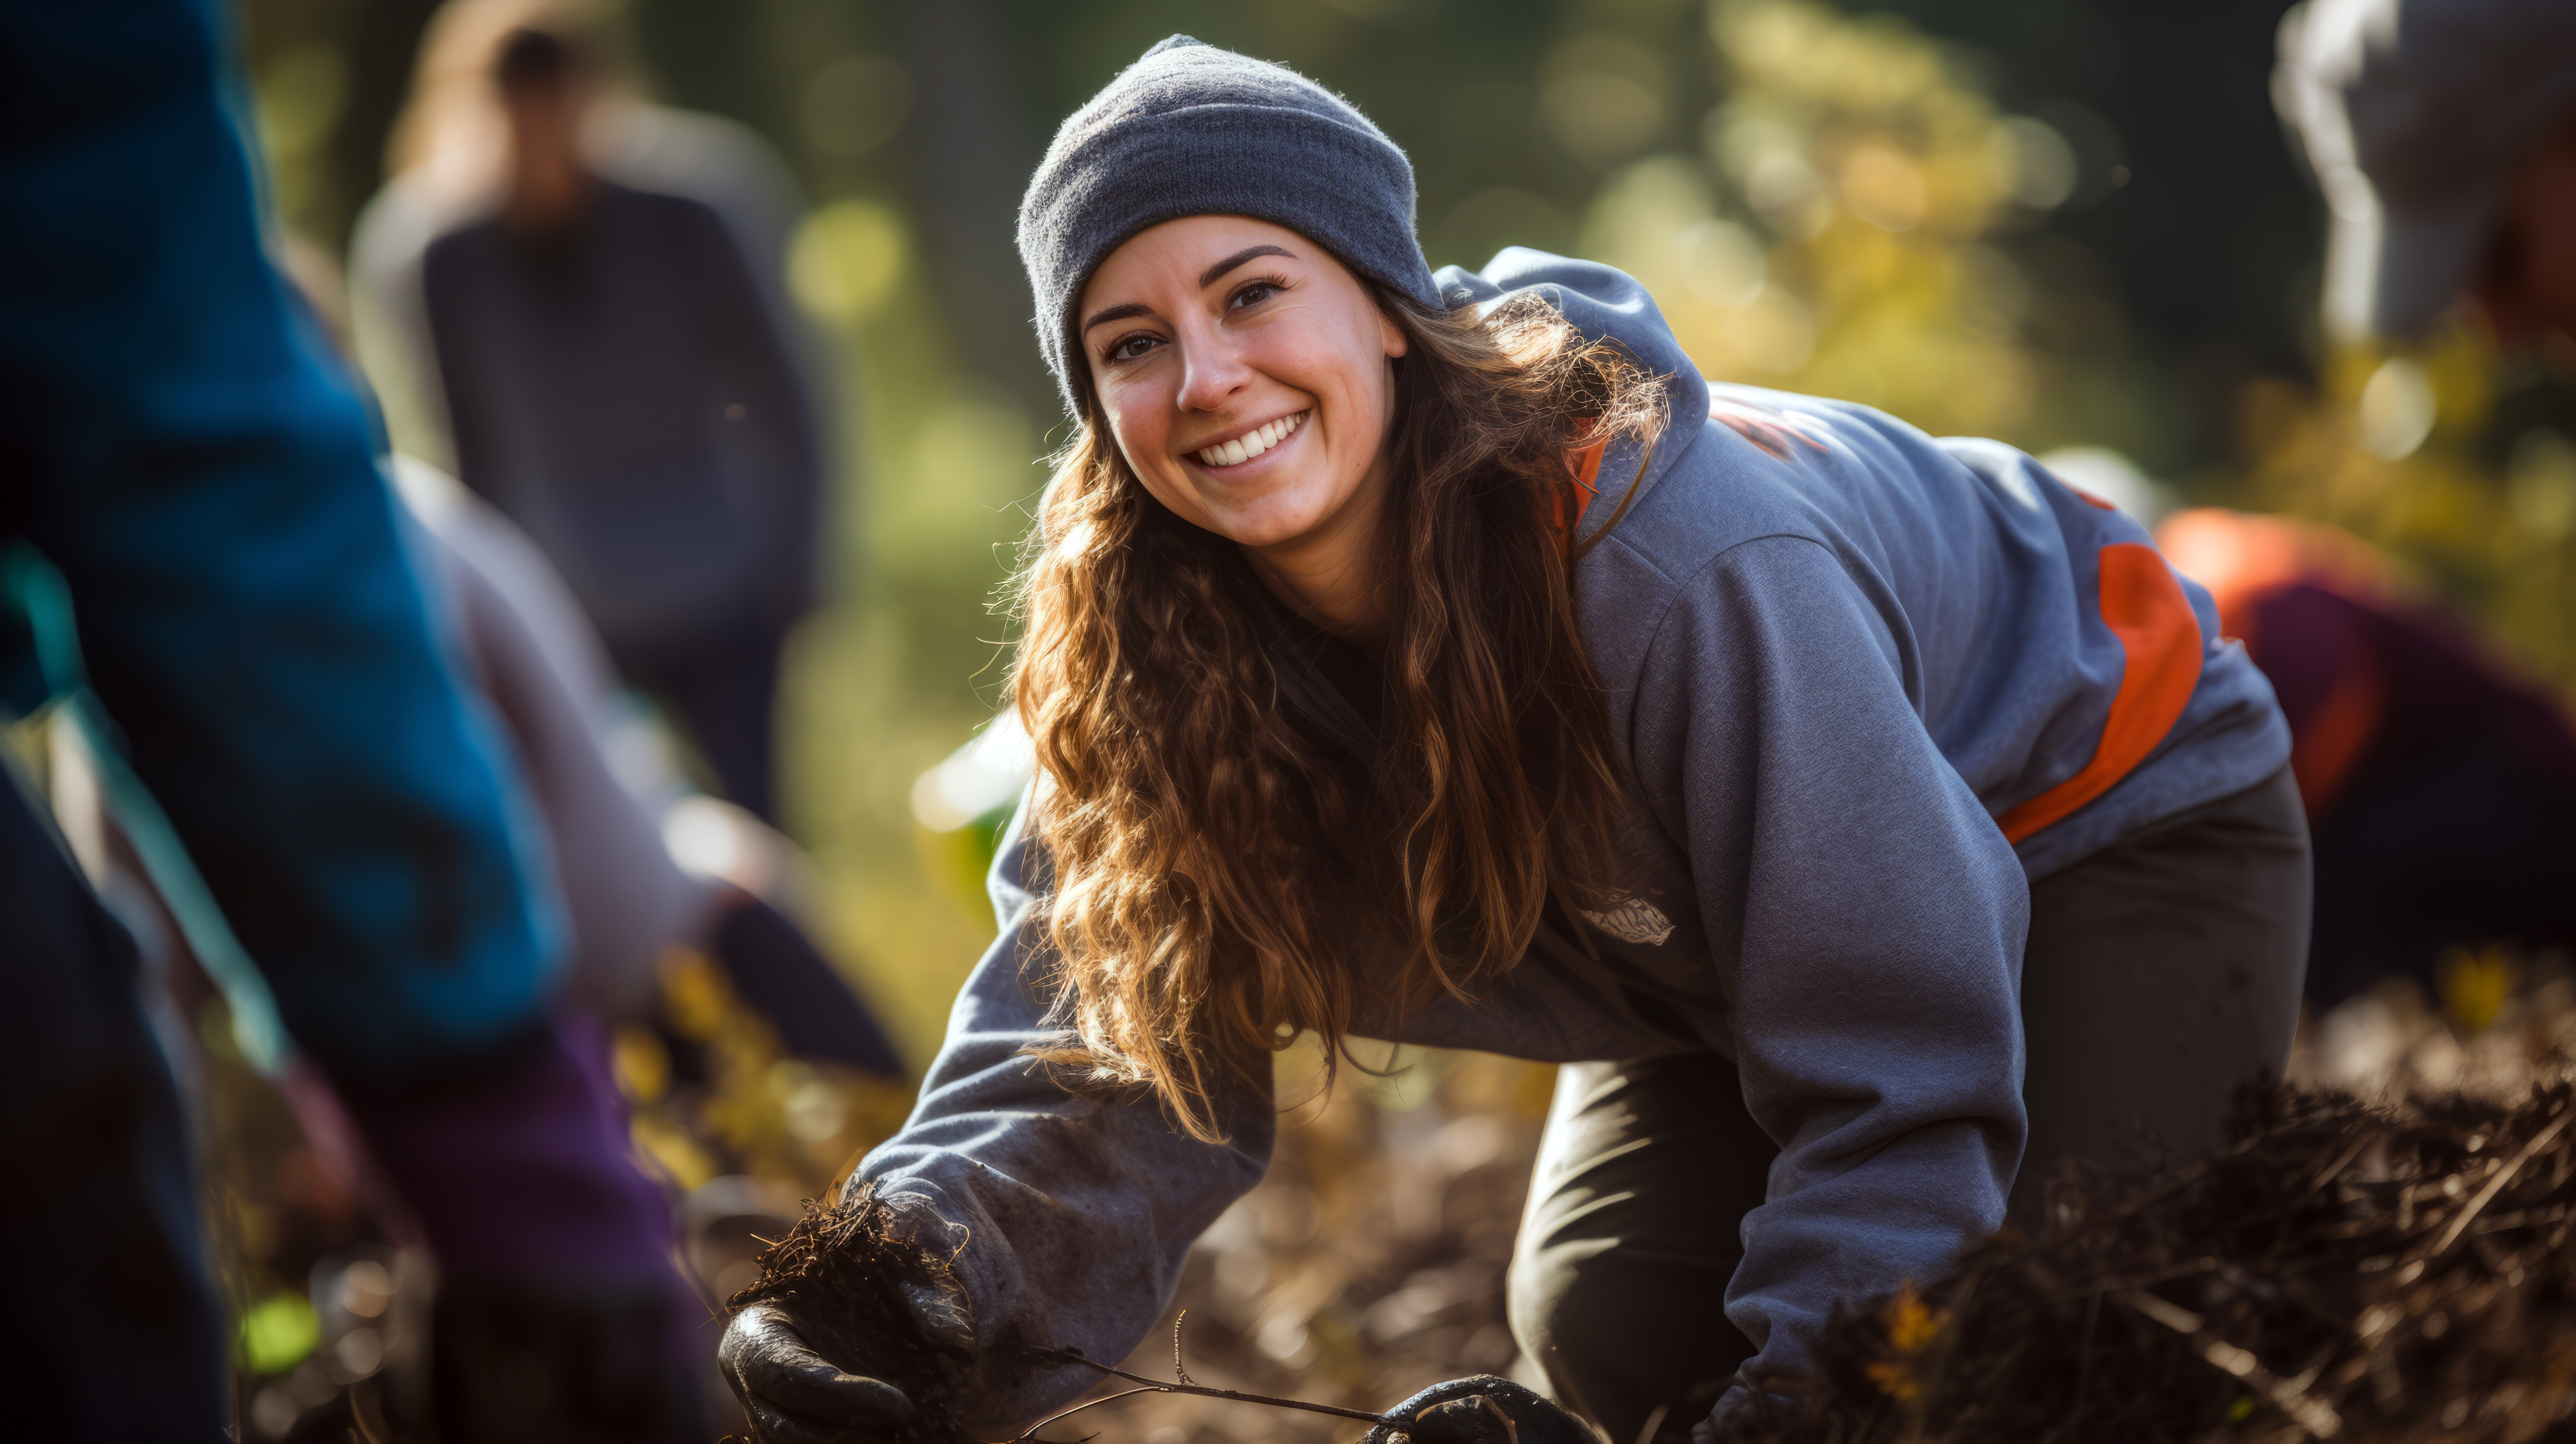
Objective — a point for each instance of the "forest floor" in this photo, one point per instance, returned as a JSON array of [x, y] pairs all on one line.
[[1370, 1263]]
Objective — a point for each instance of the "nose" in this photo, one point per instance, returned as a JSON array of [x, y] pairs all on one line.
[[1211, 371]]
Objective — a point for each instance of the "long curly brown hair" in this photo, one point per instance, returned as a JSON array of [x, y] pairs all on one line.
[[1217, 863]]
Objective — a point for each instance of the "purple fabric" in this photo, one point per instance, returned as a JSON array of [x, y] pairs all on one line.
[[526, 1175], [2440, 685]]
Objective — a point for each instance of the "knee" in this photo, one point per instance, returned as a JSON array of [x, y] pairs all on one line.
[[1622, 1336], [1564, 1309]]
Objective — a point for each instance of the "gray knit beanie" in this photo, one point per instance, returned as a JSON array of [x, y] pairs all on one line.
[[1191, 130]]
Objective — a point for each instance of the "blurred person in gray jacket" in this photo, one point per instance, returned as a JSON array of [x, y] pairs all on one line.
[[618, 380]]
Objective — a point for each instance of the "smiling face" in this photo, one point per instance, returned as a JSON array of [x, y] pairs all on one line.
[[1248, 379]]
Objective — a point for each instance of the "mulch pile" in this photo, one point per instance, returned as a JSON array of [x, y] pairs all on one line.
[[2342, 1271], [837, 1271]]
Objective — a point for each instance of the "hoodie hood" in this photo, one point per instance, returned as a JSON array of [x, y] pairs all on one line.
[[1605, 304]]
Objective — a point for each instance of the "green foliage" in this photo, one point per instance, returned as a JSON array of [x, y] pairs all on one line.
[[2414, 450]]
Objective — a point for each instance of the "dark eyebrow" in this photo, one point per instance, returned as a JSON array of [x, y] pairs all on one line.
[[1117, 313], [1207, 278], [1212, 274]]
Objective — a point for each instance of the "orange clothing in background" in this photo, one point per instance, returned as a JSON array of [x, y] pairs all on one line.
[[2441, 786]]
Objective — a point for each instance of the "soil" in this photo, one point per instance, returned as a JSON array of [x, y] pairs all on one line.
[[2343, 1270], [839, 1270]]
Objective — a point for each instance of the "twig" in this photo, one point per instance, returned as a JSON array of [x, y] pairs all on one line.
[[2119, 1284], [2470, 1210], [2315, 1416], [1067, 1356], [2342, 1161], [1088, 1403], [1179, 1372]]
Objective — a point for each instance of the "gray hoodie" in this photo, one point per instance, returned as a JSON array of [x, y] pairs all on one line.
[[1844, 662]]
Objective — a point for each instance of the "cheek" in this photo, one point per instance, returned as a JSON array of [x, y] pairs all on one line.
[[1140, 439], [1139, 418], [1365, 389]]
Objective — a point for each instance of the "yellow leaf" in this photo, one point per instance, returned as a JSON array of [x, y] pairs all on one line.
[[1912, 1325], [2476, 986]]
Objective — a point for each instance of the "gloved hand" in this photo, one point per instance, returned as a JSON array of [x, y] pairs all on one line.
[[1482, 1409], [792, 1395]]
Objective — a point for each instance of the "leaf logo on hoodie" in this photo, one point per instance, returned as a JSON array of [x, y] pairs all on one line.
[[1633, 920]]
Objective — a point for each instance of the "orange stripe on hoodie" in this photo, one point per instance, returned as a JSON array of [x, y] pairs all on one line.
[[1585, 463], [2144, 606]]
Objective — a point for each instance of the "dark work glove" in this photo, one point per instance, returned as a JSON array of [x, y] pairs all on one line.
[[792, 1395], [1479, 1410]]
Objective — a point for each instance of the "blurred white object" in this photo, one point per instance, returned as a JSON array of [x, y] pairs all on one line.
[[989, 772], [711, 838], [2397, 409], [2100, 471], [2413, 113]]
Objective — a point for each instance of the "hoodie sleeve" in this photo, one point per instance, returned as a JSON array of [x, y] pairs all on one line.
[[1070, 1213], [1869, 919]]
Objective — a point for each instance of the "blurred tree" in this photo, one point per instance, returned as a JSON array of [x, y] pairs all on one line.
[[2202, 214], [2185, 210], [1857, 220], [329, 76]]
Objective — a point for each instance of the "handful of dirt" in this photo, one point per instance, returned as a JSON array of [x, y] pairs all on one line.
[[842, 1273]]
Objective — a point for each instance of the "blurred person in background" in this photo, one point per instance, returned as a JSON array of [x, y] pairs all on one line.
[[188, 462], [2439, 783], [2443, 134], [618, 380], [532, 643], [1867, 823], [449, 165]]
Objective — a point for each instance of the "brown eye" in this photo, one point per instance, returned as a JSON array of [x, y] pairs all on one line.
[[1255, 294], [1128, 348]]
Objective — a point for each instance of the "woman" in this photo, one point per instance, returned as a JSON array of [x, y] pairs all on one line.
[[1736, 784]]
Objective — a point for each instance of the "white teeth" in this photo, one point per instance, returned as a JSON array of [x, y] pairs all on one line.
[[1252, 443]]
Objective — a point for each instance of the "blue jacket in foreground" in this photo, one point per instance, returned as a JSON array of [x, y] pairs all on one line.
[[1841, 661], [177, 444]]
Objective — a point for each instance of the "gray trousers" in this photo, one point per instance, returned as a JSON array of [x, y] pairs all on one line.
[[2160, 974]]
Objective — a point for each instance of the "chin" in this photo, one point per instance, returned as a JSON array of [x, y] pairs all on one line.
[[1260, 531]]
